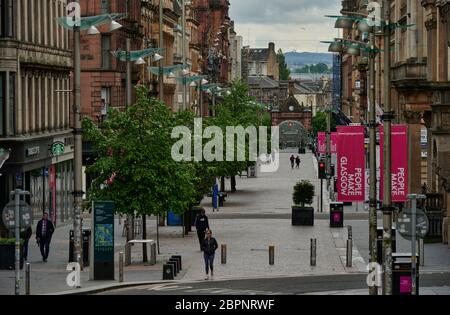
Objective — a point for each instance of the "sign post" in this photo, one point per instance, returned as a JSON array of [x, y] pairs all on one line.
[[17, 216], [413, 224], [414, 199], [102, 241]]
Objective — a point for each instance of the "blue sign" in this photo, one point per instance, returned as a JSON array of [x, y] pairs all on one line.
[[215, 196]]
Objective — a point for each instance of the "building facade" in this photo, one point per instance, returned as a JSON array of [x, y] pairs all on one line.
[[267, 91], [214, 38], [35, 67], [236, 44], [260, 62], [420, 81]]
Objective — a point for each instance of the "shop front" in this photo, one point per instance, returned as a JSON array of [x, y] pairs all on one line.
[[44, 167]]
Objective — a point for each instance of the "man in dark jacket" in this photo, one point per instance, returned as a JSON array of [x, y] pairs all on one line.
[[44, 233], [209, 248], [26, 235], [202, 225]]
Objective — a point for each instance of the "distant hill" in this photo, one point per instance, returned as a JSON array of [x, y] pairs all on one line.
[[298, 60]]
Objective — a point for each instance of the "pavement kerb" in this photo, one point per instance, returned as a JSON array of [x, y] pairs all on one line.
[[124, 285], [110, 287]]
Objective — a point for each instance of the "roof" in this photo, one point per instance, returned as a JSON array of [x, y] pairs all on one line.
[[258, 54], [263, 82], [291, 105], [302, 89]]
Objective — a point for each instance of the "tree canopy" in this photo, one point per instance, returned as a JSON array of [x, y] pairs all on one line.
[[285, 73], [134, 167]]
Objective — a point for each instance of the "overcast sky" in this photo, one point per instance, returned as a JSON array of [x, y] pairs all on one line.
[[292, 24]]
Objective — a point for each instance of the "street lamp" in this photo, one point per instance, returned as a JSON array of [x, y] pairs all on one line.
[[354, 48], [76, 24]]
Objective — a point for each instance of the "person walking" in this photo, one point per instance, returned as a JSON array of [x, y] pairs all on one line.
[[298, 161], [26, 236], [44, 233], [209, 248], [292, 161], [202, 225]]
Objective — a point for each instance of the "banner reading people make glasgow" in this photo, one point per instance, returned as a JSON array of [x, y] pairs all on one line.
[[322, 140], [351, 164], [399, 162]]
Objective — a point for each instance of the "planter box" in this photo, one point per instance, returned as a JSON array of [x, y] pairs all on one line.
[[302, 216], [8, 257]]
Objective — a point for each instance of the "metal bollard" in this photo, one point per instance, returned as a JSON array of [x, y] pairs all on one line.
[[79, 264], [313, 252], [271, 255], [224, 254], [127, 254], [350, 232], [422, 252], [27, 279], [349, 253], [121, 257]]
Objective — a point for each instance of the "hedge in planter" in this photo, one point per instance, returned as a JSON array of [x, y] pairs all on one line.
[[304, 193], [8, 254]]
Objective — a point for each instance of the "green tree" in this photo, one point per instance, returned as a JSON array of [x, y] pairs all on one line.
[[285, 73], [134, 167], [238, 109], [320, 123]]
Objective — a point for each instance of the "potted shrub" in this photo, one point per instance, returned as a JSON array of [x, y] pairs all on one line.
[[8, 254], [303, 196]]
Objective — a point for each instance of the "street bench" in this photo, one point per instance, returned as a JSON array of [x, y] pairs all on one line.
[[151, 246]]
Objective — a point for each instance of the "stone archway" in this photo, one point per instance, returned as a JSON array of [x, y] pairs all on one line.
[[292, 135]]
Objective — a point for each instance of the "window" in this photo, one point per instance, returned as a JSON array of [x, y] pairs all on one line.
[[6, 18], [12, 104], [106, 54], [2, 101], [7, 108], [106, 102], [105, 6]]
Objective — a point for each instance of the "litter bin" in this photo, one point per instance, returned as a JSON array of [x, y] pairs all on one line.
[[86, 246], [380, 243], [336, 215], [402, 275], [174, 219]]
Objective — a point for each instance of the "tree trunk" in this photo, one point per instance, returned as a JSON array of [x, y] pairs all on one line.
[[144, 237], [222, 184], [162, 220], [157, 233], [233, 184], [133, 232], [129, 228]]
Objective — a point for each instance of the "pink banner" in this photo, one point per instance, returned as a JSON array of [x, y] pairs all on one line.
[[399, 162], [322, 142], [351, 164]]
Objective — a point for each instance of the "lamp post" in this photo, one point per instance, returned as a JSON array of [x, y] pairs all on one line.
[[78, 150], [183, 45], [76, 23], [161, 44], [387, 183], [372, 50]]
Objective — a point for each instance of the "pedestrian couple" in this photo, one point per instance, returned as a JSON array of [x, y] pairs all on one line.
[[295, 161], [208, 244]]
